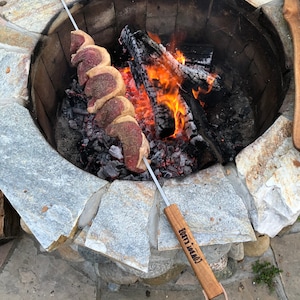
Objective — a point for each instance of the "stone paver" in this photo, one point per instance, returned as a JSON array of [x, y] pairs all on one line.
[[51, 205], [30, 274], [118, 230], [286, 251]]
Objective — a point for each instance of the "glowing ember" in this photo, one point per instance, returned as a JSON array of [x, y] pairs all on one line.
[[139, 99]]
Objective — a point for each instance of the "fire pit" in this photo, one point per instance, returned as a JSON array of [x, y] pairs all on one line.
[[122, 220], [249, 94]]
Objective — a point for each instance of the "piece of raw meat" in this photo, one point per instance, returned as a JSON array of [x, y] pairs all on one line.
[[79, 39], [103, 84], [113, 109], [87, 58], [135, 145]]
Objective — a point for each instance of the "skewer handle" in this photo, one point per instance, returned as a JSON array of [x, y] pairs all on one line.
[[291, 11], [202, 270]]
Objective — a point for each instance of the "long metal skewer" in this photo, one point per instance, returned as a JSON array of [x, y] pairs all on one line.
[[69, 14], [211, 287], [162, 193]]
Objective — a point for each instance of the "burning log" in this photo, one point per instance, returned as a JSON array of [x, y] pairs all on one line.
[[139, 43], [202, 126], [198, 76], [164, 122], [147, 56]]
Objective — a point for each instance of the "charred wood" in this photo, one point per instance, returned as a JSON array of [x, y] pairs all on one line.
[[164, 123], [203, 128], [198, 76]]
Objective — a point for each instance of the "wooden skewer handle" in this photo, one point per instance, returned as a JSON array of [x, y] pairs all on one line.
[[193, 252], [291, 12]]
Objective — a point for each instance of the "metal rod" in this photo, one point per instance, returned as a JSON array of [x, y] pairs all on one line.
[[156, 182], [69, 14]]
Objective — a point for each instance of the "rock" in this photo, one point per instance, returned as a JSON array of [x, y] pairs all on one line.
[[257, 248], [272, 175], [120, 229], [25, 227], [68, 253], [210, 206], [166, 277], [17, 37], [237, 251], [110, 272], [48, 192], [14, 65], [20, 13]]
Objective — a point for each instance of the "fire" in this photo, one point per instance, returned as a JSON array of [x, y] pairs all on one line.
[[139, 99], [179, 56], [210, 81], [168, 94]]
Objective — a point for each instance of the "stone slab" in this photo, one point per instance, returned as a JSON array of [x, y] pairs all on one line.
[[210, 206], [30, 274], [120, 229], [20, 12], [13, 35], [286, 250], [272, 175], [14, 70], [257, 3], [47, 191]]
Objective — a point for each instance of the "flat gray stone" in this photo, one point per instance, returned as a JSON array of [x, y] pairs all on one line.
[[272, 175], [210, 206], [14, 67], [15, 36], [47, 191], [257, 3], [20, 12], [30, 274], [286, 250], [120, 229]]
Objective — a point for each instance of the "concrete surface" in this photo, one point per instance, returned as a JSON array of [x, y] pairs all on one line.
[[27, 272]]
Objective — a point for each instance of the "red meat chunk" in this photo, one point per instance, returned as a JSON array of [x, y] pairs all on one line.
[[134, 143], [103, 84], [79, 39], [87, 58], [112, 109]]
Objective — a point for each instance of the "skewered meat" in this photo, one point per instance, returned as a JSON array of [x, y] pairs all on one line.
[[80, 39], [105, 87], [134, 143], [103, 84], [112, 109], [87, 58]]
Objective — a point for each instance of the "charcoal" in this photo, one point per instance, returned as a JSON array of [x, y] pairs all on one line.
[[110, 171], [115, 152]]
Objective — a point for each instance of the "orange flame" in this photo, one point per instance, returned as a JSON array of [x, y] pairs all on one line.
[[168, 94], [210, 81], [154, 37], [179, 57]]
